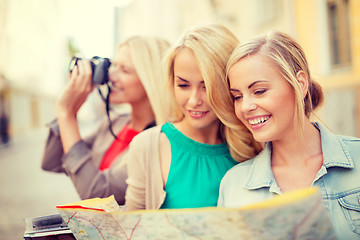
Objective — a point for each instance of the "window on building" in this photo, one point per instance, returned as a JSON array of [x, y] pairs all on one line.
[[339, 33]]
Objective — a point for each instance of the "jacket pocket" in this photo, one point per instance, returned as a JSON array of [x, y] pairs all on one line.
[[351, 208]]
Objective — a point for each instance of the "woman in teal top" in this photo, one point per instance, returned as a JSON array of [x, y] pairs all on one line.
[[194, 162], [180, 165]]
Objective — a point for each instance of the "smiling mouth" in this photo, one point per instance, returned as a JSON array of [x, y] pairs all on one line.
[[197, 114], [115, 88], [259, 120]]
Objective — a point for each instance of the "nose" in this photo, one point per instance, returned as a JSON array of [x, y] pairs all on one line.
[[196, 98], [248, 104]]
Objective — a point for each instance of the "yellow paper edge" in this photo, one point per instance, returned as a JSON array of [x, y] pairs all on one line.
[[284, 199], [278, 200], [91, 202]]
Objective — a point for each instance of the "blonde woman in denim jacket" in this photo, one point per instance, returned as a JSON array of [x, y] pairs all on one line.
[[274, 96]]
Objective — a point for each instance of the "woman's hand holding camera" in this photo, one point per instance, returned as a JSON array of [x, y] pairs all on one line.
[[76, 91], [70, 101]]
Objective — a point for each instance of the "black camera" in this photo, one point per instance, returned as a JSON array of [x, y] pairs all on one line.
[[99, 66]]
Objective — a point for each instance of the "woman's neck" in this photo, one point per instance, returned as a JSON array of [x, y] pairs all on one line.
[[296, 161], [208, 135], [141, 115], [297, 149]]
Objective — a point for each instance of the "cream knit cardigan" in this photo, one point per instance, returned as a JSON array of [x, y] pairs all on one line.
[[145, 183]]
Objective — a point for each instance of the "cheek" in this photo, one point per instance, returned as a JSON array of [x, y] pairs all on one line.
[[180, 96], [286, 101], [204, 99], [132, 82]]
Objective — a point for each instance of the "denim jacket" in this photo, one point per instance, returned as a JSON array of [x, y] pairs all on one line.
[[338, 181]]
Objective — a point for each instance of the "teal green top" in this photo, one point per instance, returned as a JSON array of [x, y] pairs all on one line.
[[195, 172]]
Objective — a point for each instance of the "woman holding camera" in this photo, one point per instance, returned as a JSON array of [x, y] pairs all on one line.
[[95, 164]]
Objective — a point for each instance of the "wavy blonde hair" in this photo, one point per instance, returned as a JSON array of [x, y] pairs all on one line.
[[211, 46], [147, 55], [289, 58]]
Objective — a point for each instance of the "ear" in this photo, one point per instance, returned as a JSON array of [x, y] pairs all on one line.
[[303, 82]]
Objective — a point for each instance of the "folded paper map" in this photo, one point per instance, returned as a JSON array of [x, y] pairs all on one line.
[[295, 215]]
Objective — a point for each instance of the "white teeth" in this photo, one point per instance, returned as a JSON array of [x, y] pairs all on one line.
[[258, 120], [193, 112]]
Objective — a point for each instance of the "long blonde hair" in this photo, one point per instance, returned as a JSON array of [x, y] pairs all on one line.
[[211, 46], [289, 58], [147, 55]]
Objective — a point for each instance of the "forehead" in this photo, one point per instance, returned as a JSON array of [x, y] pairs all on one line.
[[184, 58], [186, 66], [123, 57], [252, 68], [249, 63], [123, 53]]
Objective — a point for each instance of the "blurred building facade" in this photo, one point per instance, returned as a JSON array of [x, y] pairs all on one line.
[[37, 41], [328, 30], [29, 46]]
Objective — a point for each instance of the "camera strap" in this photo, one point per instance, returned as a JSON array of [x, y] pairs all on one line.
[[107, 102]]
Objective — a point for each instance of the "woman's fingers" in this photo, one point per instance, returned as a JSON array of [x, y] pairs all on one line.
[[81, 76], [79, 87], [74, 73]]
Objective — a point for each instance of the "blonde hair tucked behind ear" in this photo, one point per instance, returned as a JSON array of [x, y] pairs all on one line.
[[147, 55], [211, 46], [288, 56]]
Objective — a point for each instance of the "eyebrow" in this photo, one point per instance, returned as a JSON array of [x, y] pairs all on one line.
[[256, 82], [250, 86], [181, 79], [185, 79], [234, 90]]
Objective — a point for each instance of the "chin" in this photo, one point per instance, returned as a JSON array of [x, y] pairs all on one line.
[[115, 100], [260, 138]]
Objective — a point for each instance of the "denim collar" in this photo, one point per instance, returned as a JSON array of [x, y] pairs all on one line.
[[335, 154]]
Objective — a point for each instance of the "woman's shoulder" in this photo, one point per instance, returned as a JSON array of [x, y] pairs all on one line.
[[144, 148], [147, 136], [349, 139], [240, 170], [329, 134], [340, 145], [117, 120], [351, 145]]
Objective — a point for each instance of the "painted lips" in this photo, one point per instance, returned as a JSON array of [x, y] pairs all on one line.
[[258, 122]]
